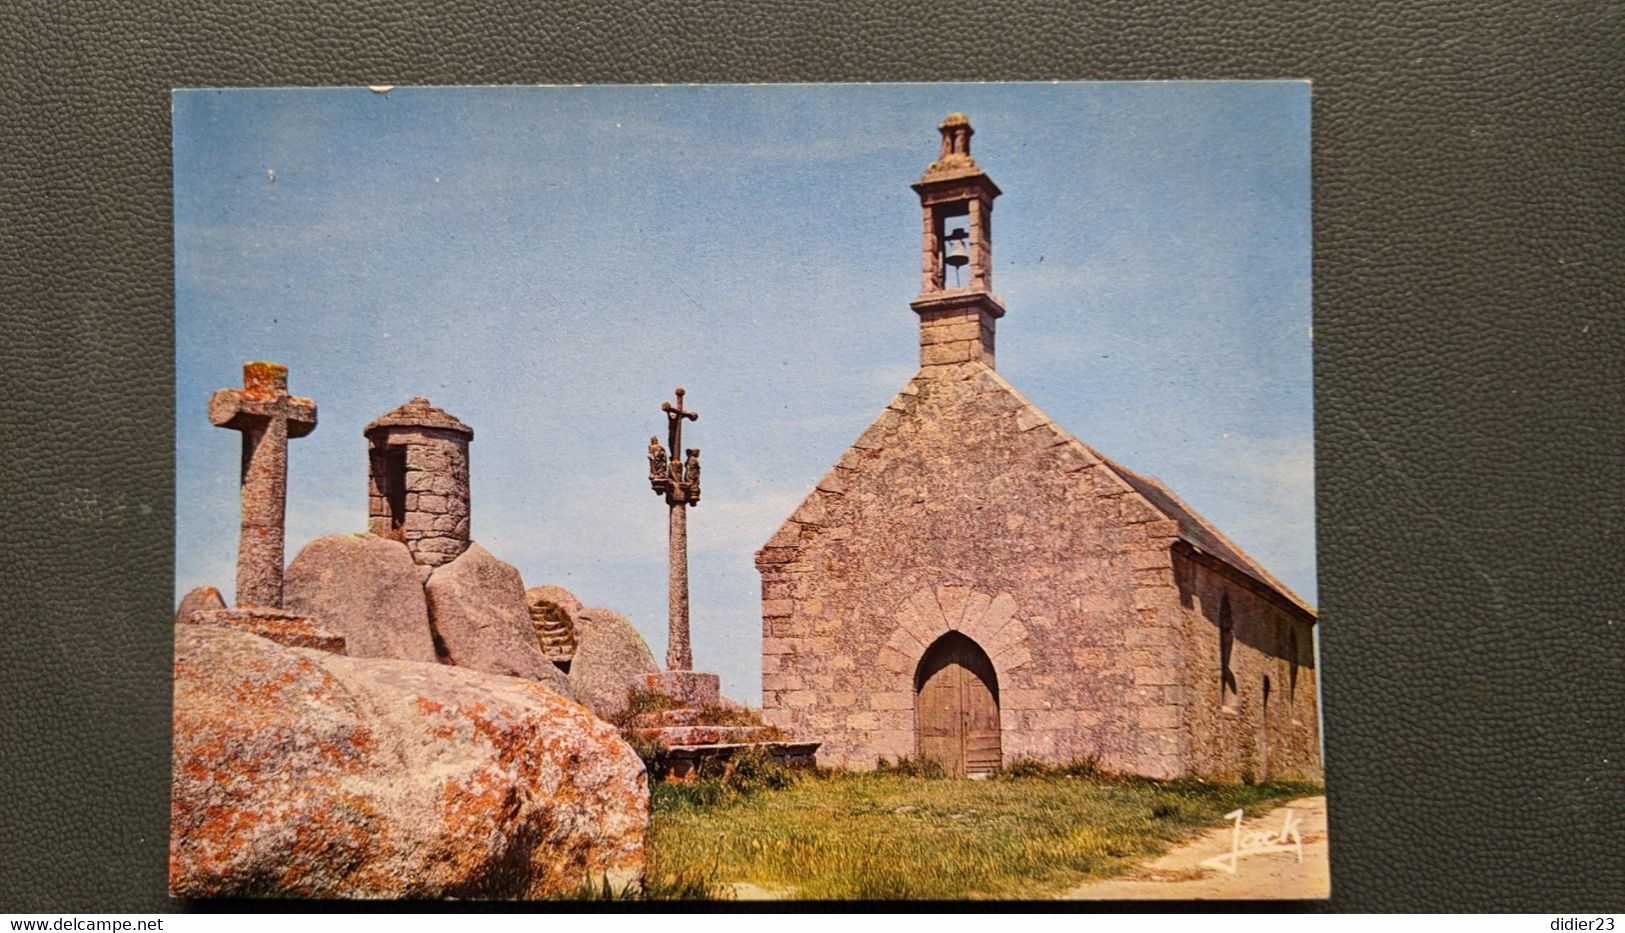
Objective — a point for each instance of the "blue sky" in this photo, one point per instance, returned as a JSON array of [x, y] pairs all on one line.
[[548, 263]]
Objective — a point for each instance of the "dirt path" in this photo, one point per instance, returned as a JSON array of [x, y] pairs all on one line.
[[1278, 875]]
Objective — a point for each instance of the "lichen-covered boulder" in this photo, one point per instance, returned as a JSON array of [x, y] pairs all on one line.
[[278, 625], [365, 588], [611, 658], [477, 610], [300, 773], [202, 599]]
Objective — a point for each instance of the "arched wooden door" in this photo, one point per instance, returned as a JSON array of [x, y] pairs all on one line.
[[956, 707]]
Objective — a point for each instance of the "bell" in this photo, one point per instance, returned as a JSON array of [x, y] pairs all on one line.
[[956, 248]]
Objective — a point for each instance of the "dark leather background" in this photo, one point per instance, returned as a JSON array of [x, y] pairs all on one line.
[[1468, 242]]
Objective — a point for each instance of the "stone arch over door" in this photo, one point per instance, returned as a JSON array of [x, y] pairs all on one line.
[[991, 620], [956, 708]]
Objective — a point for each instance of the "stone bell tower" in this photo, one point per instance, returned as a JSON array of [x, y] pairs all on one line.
[[417, 482], [956, 305]]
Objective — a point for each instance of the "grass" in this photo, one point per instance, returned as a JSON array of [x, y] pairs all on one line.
[[903, 831], [1031, 831], [687, 885]]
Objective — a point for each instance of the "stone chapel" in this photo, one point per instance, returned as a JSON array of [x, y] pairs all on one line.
[[972, 585]]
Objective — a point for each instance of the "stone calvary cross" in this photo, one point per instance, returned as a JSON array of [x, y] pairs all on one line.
[[680, 484], [267, 416]]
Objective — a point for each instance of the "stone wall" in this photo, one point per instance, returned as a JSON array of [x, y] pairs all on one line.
[[435, 523], [962, 506], [1230, 729], [960, 334]]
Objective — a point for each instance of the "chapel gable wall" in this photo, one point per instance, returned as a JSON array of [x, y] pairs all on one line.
[[964, 507]]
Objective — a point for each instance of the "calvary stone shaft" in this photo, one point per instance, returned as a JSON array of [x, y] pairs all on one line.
[[679, 656], [267, 416], [679, 482]]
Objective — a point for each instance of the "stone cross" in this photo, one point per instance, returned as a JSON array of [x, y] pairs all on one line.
[[267, 416], [679, 482]]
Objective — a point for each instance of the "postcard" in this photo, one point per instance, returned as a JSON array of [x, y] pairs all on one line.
[[1000, 582]]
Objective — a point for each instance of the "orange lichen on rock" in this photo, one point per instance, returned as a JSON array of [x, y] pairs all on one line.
[[308, 774], [261, 379]]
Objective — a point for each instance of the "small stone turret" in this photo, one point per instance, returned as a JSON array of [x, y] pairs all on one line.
[[417, 481]]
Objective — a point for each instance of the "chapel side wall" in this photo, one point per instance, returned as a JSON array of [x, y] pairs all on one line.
[[1226, 734], [963, 493]]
